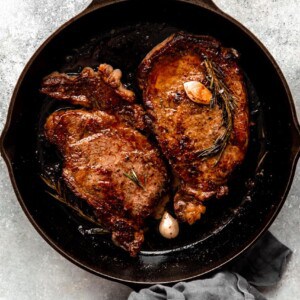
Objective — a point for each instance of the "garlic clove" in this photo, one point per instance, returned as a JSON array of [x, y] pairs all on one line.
[[168, 227], [197, 92]]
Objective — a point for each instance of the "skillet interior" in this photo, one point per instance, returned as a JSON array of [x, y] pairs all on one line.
[[230, 225]]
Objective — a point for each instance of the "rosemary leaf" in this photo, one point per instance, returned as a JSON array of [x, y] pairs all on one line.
[[48, 182], [226, 100], [134, 178], [59, 194]]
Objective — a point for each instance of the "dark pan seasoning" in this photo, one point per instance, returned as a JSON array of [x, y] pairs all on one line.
[[104, 33]]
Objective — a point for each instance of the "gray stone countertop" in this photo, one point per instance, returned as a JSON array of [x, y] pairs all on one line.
[[29, 267]]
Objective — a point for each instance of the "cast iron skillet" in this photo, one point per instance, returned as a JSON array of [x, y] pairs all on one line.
[[121, 33]]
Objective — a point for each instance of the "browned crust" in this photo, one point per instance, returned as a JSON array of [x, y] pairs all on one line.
[[112, 77], [99, 90], [55, 83], [85, 137], [200, 180], [174, 43]]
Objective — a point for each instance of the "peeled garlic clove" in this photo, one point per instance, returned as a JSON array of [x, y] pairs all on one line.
[[197, 92], [168, 226]]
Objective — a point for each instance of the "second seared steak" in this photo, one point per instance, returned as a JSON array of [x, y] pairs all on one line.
[[112, 167], [204, 139]]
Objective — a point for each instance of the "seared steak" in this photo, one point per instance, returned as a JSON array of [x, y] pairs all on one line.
[[203, 143], [101, 89], [112, 167]]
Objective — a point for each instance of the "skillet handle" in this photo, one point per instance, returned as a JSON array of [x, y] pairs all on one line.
[[96, 3], [205, 3]]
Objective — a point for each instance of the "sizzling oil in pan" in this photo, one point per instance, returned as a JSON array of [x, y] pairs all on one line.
[[125, 48]]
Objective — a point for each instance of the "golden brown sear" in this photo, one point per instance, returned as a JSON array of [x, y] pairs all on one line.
[[195, 96], [112, 167]]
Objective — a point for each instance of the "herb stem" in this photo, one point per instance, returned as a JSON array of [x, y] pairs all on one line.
[[222, 96], [60, 195], [134, 178]]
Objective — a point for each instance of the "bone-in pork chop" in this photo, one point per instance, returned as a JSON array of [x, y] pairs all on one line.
[[195, 96], [112, 167]]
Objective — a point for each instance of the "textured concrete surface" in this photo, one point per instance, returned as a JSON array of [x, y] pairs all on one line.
[[29, 268]]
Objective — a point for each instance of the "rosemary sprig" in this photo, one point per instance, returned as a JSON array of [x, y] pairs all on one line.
[[91, 231], [133, 177], [59, 194], [224, 97]]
